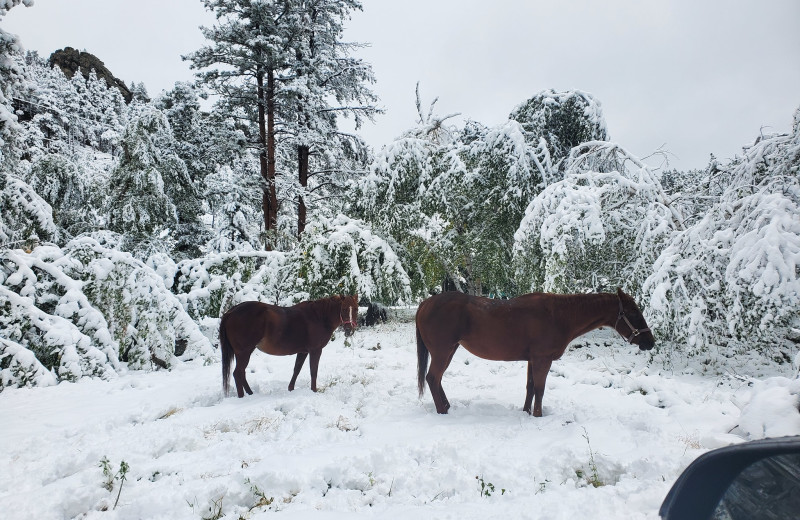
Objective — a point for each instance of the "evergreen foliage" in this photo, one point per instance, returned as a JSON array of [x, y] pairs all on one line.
[[599, 228], [555, 122], [730, 282], [12, 82], [151, 195], [124, 226]]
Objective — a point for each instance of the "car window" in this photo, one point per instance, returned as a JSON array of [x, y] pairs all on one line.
[[768, 489]]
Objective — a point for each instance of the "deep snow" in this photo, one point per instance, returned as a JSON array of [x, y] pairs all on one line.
[[366, 446]]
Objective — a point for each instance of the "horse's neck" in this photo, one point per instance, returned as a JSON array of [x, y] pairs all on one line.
[[326, 310], [588, 312]]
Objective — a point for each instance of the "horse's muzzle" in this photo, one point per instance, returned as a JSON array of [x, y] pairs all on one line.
[[646, 344], [348, 330]]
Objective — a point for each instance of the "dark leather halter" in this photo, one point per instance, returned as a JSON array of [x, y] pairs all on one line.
[[634, 331]]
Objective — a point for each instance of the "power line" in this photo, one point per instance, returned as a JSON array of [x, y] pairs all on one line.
[[56, 111]]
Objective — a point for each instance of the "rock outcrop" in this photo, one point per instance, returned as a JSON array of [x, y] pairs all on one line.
[[71, 60]]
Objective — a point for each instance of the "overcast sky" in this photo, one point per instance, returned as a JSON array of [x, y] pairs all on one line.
[[697, 77]]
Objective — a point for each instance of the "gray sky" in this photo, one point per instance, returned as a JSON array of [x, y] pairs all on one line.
[[697, 77]]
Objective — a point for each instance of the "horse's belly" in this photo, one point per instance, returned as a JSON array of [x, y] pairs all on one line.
[[276, 349], [496, 352]]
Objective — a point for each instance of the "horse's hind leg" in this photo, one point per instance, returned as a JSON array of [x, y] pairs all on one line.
[[242, 359], [439, 363], [537, 376], [441, 389], [298, 364]]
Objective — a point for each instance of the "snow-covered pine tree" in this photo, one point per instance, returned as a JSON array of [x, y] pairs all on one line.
[[25, 218], [59, 181], [554, 122], [181, 105], [12, 82], [328, 82], [152, 201], [246, 62], [233, 198]]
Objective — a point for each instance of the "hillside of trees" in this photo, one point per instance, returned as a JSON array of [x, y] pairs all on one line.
[[128, 228]]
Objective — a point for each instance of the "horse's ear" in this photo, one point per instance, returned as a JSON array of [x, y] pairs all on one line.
[[619, 292]]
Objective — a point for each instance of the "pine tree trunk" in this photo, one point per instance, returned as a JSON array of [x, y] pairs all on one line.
[[273, 196], [302, 159], [266, 157], [262, 155]]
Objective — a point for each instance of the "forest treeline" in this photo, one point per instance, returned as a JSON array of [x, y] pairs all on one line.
[[127, 229]]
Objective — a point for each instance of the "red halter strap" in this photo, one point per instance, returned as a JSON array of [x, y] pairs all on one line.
[[350, 321]]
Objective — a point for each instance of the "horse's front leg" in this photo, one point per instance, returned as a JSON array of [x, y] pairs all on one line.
[[313, 363], [528, 389], [538, 368], [298, 364]]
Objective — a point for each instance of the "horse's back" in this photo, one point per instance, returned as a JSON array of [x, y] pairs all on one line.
[[248, 322], [489, 328]]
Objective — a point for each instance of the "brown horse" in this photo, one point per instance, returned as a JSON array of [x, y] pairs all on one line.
[[535, 328], [303, 329]]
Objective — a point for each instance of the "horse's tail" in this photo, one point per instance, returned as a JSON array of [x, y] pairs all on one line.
[[227, 354], [422, 363]]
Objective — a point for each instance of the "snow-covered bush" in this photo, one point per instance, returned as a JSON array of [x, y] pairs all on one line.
[[209, 286], [24, 215], [144, 317], [452, 199], [483, 194], [48, 323], [733, 278], [392, 199], [335, 256], [87, 310], [603, 226], [344, 256], [20, 367]]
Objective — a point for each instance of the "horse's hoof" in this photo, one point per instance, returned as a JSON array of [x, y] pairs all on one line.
[[537, 413]]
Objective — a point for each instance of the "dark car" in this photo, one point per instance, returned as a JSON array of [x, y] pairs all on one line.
[[754, 480]]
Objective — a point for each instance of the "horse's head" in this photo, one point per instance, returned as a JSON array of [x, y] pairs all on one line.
[[348, 313], [630, 323]]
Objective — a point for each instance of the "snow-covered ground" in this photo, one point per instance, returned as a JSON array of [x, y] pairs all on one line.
[[366, 446]]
